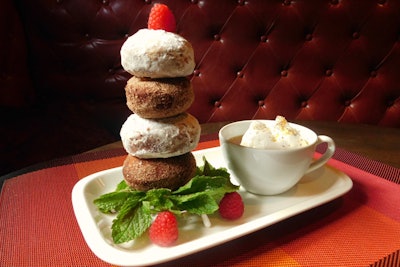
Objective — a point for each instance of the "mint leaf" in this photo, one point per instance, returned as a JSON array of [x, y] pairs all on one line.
[[159, 199], [212, 185], [131, 222], [200, 195], [208, 170], [122, 186], [197, 203], [112, 202]]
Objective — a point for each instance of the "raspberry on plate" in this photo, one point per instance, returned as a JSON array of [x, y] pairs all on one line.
[[164, 230], [161, 18], [231, 206]]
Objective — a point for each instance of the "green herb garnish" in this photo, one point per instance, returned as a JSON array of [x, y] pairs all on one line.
[[134, 209]]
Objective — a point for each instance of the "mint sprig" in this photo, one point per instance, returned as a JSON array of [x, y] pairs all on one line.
[[134, 208]]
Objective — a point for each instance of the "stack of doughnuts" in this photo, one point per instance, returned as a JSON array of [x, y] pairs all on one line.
[[159, 135]]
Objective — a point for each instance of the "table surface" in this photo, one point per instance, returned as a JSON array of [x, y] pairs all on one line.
[[378, 143], [38, 226]]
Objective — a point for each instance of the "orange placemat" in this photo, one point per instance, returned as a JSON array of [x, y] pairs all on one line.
[[38, 227]]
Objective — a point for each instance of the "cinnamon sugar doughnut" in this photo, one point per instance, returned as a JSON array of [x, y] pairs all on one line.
[[158, 98], [157, 54], [146, 174], [160, 138]]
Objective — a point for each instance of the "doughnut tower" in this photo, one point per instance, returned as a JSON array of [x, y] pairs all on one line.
[[160, 134]]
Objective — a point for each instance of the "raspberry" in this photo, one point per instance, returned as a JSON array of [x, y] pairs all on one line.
[[231, 206], [164, 230], [161, 18]]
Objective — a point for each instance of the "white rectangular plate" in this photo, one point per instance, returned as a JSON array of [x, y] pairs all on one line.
[[316, 188]]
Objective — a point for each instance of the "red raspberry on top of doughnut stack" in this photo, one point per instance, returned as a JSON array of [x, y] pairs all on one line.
[[159, 135]]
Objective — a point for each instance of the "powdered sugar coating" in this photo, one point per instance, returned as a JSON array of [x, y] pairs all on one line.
[[157, 54], [160, 138]]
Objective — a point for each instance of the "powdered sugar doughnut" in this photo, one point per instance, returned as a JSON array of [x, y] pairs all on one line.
[[157, 54], [160, 138]]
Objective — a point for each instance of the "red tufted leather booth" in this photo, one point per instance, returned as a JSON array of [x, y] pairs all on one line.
[[62, 83]]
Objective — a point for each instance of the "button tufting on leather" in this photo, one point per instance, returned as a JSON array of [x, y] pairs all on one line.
[[328, 72], [287, 2], [217, 104], [334, 2], [356, 35], [261, 103], [263, 38], [308, 38], [105, 2]]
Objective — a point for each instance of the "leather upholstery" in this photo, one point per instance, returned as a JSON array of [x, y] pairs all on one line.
[[312, 60], [333, 60], [16, 88], [309, 60]]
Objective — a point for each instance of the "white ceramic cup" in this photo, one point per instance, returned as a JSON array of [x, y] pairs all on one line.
[[271, 171]]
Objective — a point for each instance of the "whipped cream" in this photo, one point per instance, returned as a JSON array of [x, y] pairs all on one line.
[[278, 136]]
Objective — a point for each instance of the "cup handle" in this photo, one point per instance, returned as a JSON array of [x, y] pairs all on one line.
[[330, 150]]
